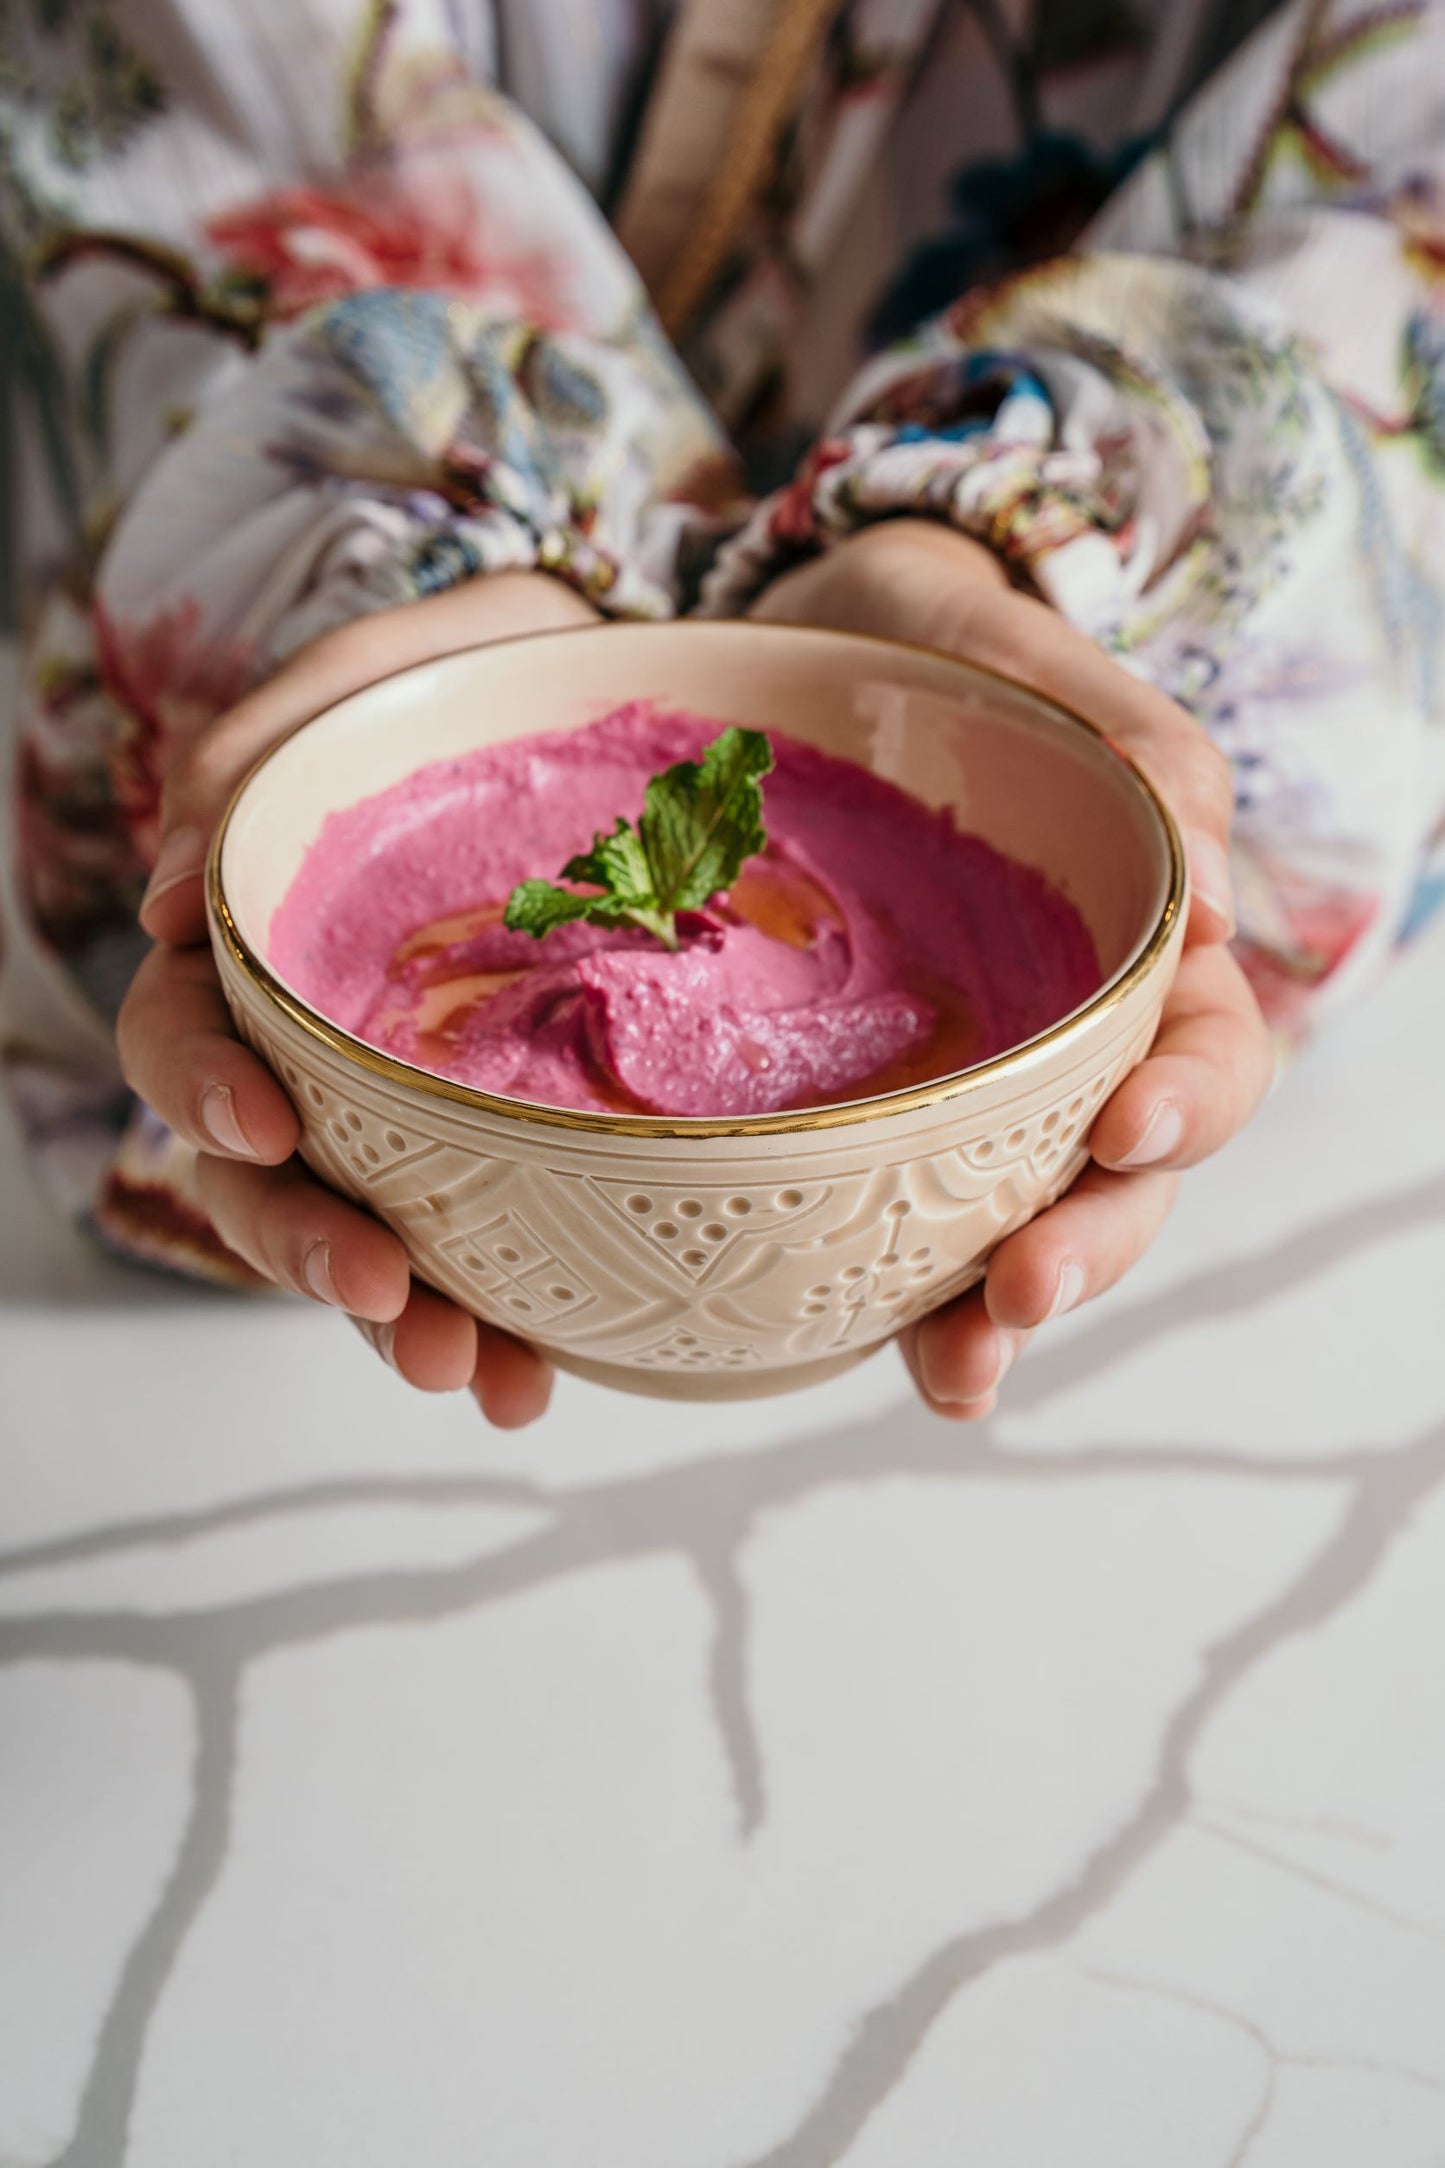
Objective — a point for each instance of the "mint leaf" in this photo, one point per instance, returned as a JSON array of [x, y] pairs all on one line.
[[617, 864], [700, 821], [535, 907]]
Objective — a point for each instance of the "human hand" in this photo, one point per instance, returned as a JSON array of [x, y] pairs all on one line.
[[180, 1052], [1211, 1061]]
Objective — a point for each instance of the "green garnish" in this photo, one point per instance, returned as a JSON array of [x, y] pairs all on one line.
[[700, 821]]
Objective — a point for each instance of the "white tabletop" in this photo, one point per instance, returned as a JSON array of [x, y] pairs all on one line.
[[803, 1784]]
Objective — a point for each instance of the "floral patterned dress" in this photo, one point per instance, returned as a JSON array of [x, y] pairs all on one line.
[[315, 306]]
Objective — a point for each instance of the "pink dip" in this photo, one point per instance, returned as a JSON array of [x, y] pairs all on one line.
[[870, 947]]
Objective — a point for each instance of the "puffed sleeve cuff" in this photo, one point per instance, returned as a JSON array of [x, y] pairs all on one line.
[[1158, 452], [383, 447], [1019, 451]]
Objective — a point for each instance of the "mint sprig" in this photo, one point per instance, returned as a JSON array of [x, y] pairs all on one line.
[[700, 821]]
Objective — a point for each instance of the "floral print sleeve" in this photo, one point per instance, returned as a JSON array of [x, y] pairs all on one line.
[[335, 398], [1215, 439]]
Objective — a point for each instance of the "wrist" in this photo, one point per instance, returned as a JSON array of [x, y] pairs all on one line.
[[855, 585], [911, 539]]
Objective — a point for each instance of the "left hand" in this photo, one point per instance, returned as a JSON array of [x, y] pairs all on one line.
[[180, 1052], [1211, 1062]]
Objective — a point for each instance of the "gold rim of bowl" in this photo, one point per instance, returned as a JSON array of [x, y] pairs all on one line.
[[843, 1114]]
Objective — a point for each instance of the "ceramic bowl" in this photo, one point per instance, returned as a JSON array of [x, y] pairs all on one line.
[[711, 1259]]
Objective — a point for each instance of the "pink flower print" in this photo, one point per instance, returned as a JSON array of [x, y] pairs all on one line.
[[1320, 930], [168, 681], [304, 246]]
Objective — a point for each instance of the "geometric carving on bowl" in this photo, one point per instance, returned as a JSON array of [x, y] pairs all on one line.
[[697, 1227], [1048, 1138], [506, 1263], [683, 1349], [775, 1268]]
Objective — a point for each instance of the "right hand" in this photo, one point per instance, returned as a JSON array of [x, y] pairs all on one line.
[[180, 1053], [1209, 1067]]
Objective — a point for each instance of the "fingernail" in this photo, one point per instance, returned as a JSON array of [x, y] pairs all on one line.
[[218, 1117], [1210, 877], [316, 1272], [928, 1371], [383, 1339], [1007, 1348], [969, 1411], [1161, 1136], [380, 1337], [1069, 1290], [180, 857]]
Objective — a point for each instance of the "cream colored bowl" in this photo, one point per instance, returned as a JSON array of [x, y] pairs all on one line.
[[719, 1258]]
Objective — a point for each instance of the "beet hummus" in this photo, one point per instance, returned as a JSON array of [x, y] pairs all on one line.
[[869, 947]]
